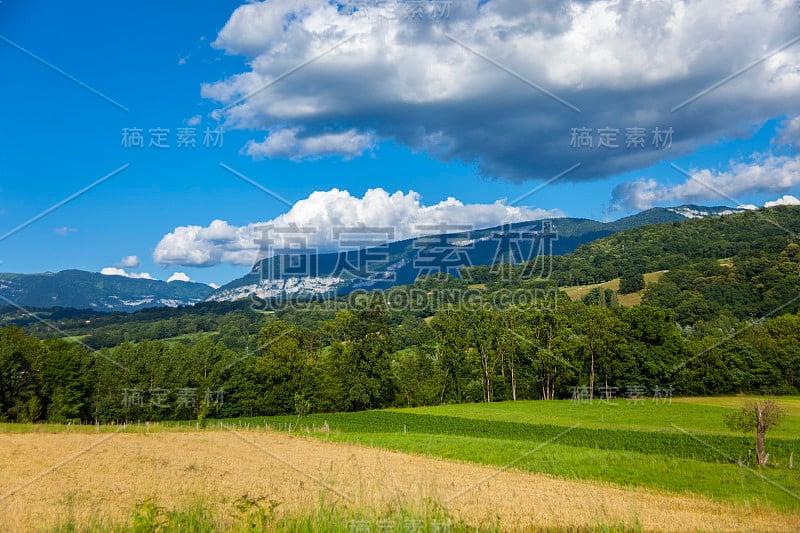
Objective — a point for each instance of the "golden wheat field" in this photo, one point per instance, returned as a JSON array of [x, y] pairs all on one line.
[[46, 479]]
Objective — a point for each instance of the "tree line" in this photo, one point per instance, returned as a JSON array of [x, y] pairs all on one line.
[[371, 357]]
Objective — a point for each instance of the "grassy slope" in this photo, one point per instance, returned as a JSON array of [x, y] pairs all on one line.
[[190, 338], [705, 415], [626, 300]]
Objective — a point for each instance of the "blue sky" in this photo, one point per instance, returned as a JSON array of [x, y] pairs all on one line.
[[337, 124]]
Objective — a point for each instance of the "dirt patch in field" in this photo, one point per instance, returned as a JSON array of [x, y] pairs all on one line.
[[47, 478]]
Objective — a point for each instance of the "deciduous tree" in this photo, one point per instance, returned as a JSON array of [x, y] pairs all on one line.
[[759, 416]]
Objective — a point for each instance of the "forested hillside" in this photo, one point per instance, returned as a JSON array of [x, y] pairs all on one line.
[[762, 233], [723, 320], [742, 265]]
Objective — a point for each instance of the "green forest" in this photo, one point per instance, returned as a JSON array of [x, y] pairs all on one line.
[[724, 318]]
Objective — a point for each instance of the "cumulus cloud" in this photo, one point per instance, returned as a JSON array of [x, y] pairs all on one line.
[[113, 271], [129, 261], [195, 120], [287, 144], [394, 216], [421, 82], [214, 244], [179, 276], [784, 200], [764, 173]]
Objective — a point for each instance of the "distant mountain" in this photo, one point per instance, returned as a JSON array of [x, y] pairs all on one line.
[[401, 262], [396, 263], [88, 290]]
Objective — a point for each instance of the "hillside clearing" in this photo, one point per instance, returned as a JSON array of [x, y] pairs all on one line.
[[577, 292]]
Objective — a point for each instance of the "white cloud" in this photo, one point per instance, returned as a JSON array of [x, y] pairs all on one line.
[[784, 200], [113, 271], [64, 231], [789, 133], [624, 64], [129, 261], [179, 276], [214, 286], [323, 211], [787, 199], [763, 173], [287, 144], [195, 120], [205, 246]]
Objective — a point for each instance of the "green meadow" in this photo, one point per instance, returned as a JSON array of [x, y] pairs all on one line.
[[679, 446]]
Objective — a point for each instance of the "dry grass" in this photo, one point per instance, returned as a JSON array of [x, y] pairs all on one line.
[[789, 404], [577, 292], [101, 477]]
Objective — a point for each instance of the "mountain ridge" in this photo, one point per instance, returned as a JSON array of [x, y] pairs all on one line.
[[400, 263], [397, 263], [100, 292]]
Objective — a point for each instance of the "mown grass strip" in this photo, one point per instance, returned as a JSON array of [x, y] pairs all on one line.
[[664, 443]]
